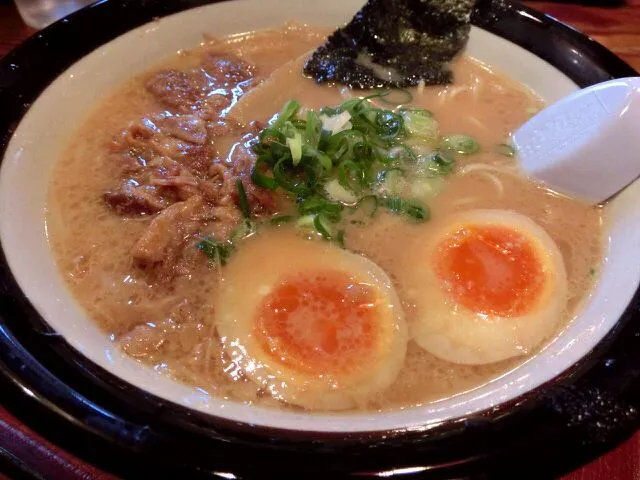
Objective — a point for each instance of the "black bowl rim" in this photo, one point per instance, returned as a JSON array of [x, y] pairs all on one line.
[[586, 410]]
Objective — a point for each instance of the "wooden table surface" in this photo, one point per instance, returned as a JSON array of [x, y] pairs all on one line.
[[616, 28]]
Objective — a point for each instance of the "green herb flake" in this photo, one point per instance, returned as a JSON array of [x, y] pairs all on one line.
[[216, 250], [459, 143], [243, 201], [281, 219], [411, 209], [219, 251]]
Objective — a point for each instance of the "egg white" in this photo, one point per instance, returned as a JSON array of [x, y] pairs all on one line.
[[255, 270], [455, 333]]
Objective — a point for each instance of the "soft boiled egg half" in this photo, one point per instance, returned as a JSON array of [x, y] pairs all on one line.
[[486, 285], [312, 324]]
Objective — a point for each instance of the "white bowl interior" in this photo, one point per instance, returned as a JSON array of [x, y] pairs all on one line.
[[50, 122]]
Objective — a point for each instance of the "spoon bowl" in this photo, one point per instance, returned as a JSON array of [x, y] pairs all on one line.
[[586, 144]]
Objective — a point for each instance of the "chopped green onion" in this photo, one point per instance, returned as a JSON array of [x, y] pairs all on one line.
[[295, 145], [420, 124], [349, 172], [296, 123], [424, 189], [322, 226], [320, 205], [313, 129], [394, 181], [260, 179], [417, 212], [215, 250], [439, 163], [390, 125], [246, 228], [336, 192], [338, 157], [394, 97], [220, 250], [505, 149], [322, 157], [269, 136], [384, 174], [394, 204], [459, 143], [401, 206], [300, 181], [419, 111], [402, 152], [288, 112], [281, 219], [242, 199], [305, 221], [368, 203]]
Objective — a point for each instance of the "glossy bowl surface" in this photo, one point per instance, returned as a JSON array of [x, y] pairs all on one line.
[[50, 349]]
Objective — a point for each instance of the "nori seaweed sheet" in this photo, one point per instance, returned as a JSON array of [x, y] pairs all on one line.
[[415, 38]]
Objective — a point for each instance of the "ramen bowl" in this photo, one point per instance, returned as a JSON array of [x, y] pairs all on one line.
[[575, 398]]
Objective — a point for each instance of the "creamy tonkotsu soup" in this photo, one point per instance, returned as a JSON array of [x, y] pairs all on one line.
[[383, 252]]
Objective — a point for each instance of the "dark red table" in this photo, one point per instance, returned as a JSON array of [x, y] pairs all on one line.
[[616, 28]]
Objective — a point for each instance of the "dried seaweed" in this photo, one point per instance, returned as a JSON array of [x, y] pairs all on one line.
[[394, 43]]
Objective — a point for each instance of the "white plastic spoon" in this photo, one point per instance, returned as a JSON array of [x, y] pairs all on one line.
[[586, 145]]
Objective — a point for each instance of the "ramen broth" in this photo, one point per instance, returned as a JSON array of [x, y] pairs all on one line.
[[170, 324]]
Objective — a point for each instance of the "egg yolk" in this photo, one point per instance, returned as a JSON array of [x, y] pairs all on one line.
[[490, 269], [322, 322]]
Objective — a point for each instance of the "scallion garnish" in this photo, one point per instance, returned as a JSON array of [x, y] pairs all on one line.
[[243, 202], [288, 113], [390, 125], [368, 204], [459, 143], [399, 205], [246, 228], [260, 179], [350, 155], [295, 146], [217, 251], [386, 173], [355, 158], [395, 97], [421, 124], [322, 226], [299, 179], [439, 163], [320, 205], [281, 219]]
